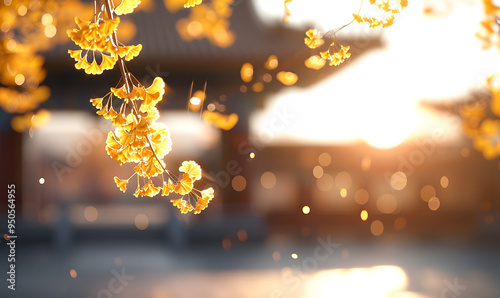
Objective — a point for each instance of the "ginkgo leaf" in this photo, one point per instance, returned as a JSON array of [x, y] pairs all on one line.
[[127, 6], [191, 168], [122, 184], [192, 3]]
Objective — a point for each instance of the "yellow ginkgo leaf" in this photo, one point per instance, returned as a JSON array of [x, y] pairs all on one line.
[[127, 6], [122, 184], [192, 3], [191, 168]]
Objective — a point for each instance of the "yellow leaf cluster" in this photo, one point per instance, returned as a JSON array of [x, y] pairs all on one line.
[[385, 15], [337, 57], [95, 39], [482, 125], [313, 39]]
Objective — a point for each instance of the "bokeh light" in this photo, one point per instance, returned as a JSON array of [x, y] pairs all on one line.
[[444, 181], [434, 203], [141, 221], [427, 192], [364, 215], [90, 213], [239, 183], [398, 180], [377, 228], [324, 159], [325, 183], [73, 273], [306, 209], [268, 180], [318, 172], [387, 203], [361, 196]]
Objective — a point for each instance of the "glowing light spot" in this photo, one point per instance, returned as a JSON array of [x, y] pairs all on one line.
[[11, 44], [239, 183], [22, 10], [361, 196], [306, 209], [465, 152], [246, 72], [268, 180], [19, 79], [267, 78], [427, 192], [444, 182], [257, 87], [73, 273], [271, 63], [5, 27], [7, 2], [211, 107], [50, 31], [194, 28], [400, 223], [325, 183], [364, 215], [294, 256], [90, 213], [343, 192], [434, 203], [377, 228], [242, 235], [226, 243], [276, 256], [366, 163], [343, 180], [47, 19], [287, 78], [41, 180], [324, 159], [118, 261], [387, 203], [195, 101], [252, 155], [398, 180], [141, 221], [318, 172], [315, 62]]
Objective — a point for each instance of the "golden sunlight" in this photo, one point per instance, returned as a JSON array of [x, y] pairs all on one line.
[[373, 282]]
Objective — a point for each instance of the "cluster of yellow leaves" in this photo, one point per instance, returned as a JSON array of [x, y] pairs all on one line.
[[209, 21], [191, 3], [137, 138], [482, 127], [488, 32], [27, 27], [337, 57], [94, 37], [314, 40], [387, 8]]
